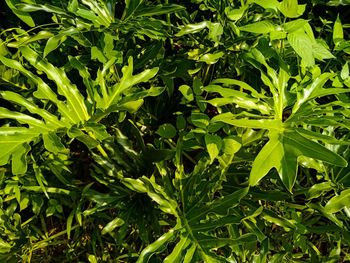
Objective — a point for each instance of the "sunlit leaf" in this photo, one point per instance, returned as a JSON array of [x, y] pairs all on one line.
[[338, 202]]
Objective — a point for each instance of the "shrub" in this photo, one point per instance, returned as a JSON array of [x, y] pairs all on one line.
[[175, 131]]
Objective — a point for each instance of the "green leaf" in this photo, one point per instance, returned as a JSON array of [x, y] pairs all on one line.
[[25, 40], [116, 222], [338, 202], [321, 51], [318, 189], [192, 28], [19, 159], [338, 33], [23, 118], [282, 152], [43, 91], [53, 43], [108, 97], [92, 259], [219, 206], [239, 98], [215, 31], [14, 144], [248, 123], [291, 9], [295, 25], [209, 241], [316, 90], [167, 131], [156, 246], [75, 100], [303, 46], [326, 214], [279, 221], [50, 119], [211, 58], [53, 143], [24, 16], [46, 8], [176, 255], [180, 122], [40, 179], [190, 253], [213, 224], [199, 120], [268, 4], [261, 27], [37, 203], [130, 106], [321, 137], [4, 247], [104, 17], [24, 202], [235, 14], [96, 53], [130, 7], [213, 144], [231, 145], [76, 133], [158, 10], [344, 74], [234, 82], [186, 92], [69, 223], [277, 35]]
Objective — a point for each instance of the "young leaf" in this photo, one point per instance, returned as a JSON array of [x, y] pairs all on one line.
[[338, 33]]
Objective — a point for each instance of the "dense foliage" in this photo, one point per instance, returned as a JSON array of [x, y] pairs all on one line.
[[175, 131]]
